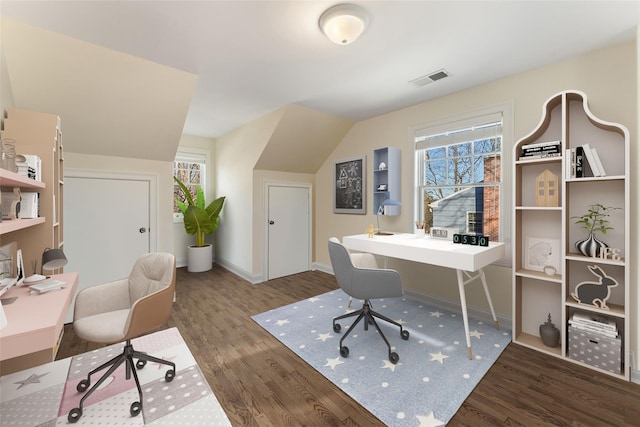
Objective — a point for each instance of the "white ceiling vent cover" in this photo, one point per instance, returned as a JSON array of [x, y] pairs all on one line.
[[430, 78]]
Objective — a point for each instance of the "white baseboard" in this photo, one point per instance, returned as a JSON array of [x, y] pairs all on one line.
[[251, 278]]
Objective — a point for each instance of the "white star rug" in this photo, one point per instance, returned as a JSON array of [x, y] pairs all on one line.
[[433, 376]]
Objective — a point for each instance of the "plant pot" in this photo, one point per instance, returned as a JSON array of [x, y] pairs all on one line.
[[199, 258], [590, 246]]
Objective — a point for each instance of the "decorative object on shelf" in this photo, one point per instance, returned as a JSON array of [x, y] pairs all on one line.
[[596, 219], [549, 270], [349, 186], [11, 204], [382, 166], [382, 187], [343, 23], [595, 293], [547, 189], [549, 333], [8, 154], [199, 220], [542, 252]]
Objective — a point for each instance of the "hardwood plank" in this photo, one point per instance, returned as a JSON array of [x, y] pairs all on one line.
[[260, 382]]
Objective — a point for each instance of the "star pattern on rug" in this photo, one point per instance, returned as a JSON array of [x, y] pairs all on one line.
[[332, 363], [475, 333], [167, 358], [390, 366], [429, 420], [324, 337], [314, 299], [438, 357], [33, 379], [282, 322], [436, 314]]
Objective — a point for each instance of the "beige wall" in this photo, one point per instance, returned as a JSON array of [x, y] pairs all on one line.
[[236, 154], [609, 79]]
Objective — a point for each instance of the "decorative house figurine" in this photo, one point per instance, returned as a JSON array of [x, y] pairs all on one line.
[[547, 189], [549, 333], [595, 293]]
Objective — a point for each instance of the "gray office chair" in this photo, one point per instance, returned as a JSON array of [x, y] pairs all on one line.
[[365, 284]]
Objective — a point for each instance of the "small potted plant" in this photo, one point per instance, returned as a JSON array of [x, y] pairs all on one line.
[[199, 221], [595, 219]]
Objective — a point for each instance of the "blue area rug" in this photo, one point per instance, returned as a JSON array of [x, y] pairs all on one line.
[[433, 376]]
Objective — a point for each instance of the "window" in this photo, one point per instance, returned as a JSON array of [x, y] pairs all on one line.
[[459, 175], [190, 167]]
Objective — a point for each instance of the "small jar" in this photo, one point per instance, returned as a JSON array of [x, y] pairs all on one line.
[[9, 155]]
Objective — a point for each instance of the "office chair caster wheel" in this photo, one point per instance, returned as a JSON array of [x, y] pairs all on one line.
[[74, 415], [83, 386], [135, 409], [168, 377], [141, 364], [404, 335], [336, 327], [344, 351], [393, 357]]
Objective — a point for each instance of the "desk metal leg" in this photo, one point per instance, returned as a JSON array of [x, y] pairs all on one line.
[[463, 301], [486, 292]]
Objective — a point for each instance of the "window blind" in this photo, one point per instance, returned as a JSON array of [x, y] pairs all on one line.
[[472, 129]]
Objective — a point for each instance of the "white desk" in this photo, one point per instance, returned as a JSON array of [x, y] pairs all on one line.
[[465, 259]]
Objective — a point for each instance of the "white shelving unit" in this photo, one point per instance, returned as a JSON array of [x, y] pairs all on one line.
[[566, 117]]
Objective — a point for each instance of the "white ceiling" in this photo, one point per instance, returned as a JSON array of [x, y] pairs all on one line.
[[251, 57]]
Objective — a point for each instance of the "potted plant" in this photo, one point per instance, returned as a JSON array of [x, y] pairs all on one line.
[[595, 219], [199, 221]]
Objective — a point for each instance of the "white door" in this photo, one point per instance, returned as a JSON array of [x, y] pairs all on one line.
[[106, 227], [288, 230]]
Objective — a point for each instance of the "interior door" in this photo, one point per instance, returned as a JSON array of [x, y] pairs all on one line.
[[288, 230], [106, 227]]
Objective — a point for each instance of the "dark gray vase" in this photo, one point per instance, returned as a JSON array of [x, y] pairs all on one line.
[[549, 333], [590, 246]]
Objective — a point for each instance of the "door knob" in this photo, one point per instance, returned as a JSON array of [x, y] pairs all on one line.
[[271, 222], [142, 230]]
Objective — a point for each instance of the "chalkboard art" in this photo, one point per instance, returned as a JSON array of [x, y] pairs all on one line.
[[349, 187]]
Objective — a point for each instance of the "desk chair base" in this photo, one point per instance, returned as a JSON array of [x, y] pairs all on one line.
[[369, 315], [126, 357]]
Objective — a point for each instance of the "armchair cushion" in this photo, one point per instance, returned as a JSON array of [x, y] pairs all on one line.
[[101, 299], [102, 328]]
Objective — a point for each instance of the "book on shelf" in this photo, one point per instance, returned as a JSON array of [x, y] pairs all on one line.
[[596, 160], [540, 156], [541, 144], [594, 323], [540, 150]]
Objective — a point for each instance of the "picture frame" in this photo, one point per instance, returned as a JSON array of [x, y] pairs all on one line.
[[541, 253], [19, 267], [349, 186]]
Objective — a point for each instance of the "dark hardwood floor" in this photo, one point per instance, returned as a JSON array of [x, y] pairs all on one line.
[[259, 382]]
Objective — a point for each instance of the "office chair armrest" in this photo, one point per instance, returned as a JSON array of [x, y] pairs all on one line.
[[102, 298], [375, 283]]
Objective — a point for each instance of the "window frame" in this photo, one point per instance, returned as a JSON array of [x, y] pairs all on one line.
[[457, 121], [192, 155]]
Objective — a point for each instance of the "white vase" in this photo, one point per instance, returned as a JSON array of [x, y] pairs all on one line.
[[199, 258]]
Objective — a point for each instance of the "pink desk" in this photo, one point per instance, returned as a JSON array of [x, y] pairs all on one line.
[[35, 325]]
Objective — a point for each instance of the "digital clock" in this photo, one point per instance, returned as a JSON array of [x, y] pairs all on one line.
[[442, 232]]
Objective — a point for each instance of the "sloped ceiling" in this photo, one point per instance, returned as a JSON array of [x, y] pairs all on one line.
[[302, 140], [110, 103]]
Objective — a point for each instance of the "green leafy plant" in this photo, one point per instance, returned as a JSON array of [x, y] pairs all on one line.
[[198, 219], [596, 218]]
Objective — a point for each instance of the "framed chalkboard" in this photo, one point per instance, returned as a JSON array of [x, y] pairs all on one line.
[[349, 186]]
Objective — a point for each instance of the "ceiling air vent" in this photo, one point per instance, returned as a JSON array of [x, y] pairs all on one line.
[[430, 78]]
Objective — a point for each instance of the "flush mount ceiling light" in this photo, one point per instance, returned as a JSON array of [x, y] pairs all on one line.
[[343, 23]]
